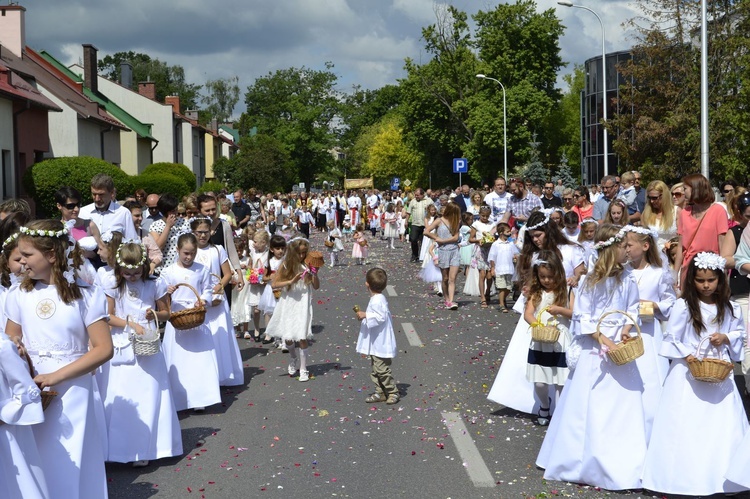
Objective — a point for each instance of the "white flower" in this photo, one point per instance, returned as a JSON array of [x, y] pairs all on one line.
[[708, 260]]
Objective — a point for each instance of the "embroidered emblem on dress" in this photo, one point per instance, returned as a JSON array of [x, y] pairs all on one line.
[[45, 309]]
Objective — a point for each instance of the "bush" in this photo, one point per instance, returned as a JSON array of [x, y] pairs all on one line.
[[175, 169], [212, 185], [43, 179], [159, 183]]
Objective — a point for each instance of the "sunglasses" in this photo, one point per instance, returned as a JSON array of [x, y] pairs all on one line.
[[153, 208], [567, 199], [727, 191], [654, 198], [72, 206], [181, 213], [677, 194]]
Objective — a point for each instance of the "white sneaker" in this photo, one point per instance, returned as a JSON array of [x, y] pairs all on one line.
[[284, 348], [304, 375], [292, 368]]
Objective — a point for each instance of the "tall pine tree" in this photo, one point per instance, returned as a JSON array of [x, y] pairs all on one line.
[[565, 173], [534, 169]]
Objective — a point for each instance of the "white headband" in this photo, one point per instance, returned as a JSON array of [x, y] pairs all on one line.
[[708, 260]]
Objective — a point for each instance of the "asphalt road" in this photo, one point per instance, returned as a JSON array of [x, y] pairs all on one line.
[[278, 437]]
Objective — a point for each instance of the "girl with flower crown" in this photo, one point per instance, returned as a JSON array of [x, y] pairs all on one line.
[[62, 326], [142, 422], [511, 387], [695, 416], [656, 292], [598, 434]]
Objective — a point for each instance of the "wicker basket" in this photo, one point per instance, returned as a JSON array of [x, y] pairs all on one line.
[[625, 351], [144, 347], [328, 243], [277, 293], [545, 333], [707, 369], [314, 259], [188, 318], [47, 395], [362, 242]]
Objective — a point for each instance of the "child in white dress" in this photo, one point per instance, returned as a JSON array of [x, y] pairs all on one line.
[[62, 326], [239, 308], [377, 340], [359, 245], [268, 300], [430, 271], [390, 218], [548, 299], [292, 318], [258, 263], [184, 350], [586, 240], [598, 434], [218, 317], [142, 422], [21, 474], [657, 297], [685, 456]]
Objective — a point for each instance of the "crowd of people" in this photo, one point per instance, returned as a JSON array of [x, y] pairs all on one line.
[[141, 292]]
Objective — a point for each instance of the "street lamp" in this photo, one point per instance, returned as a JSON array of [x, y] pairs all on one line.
[[568, 3], [505, 126]]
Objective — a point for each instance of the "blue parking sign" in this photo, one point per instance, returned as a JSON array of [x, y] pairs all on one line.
[[460, 165], [395, 182]]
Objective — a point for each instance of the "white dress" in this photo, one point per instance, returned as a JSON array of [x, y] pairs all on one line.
[[425, 242], [141, 417], [430, 271], [257, 261], [546, 361], [219, 320], [190, 355], [21, 474], [268, 301], [391, 225], [55, 335], [292, 317], [598, 435], [699, 426], [654, 284], [240, 310]]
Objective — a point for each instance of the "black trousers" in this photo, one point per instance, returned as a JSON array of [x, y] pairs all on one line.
[[415, 238], [305, 229]]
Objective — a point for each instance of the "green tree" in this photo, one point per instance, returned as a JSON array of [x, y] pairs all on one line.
[[220, 97], [262, 162], [534, 169], [298, 107], [565, 173], [168, 80], [383, 153], [565, 121]]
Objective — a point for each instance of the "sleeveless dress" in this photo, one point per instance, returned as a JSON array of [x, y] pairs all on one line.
[[141, 417], [292, 317], [69, 440], [267, 302], [546, 361]]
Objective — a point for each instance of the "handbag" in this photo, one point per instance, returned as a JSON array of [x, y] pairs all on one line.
[[573, 352], [123, 348]]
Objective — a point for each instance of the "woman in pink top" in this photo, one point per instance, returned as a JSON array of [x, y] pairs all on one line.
[[68, 201], [583, 206], [702, 225]]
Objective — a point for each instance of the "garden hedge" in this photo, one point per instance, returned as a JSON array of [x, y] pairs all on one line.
[[213, 186], [43, 179], [159, 183], [175, 169]]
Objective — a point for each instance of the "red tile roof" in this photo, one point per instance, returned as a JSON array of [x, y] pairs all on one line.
[[16, 88]]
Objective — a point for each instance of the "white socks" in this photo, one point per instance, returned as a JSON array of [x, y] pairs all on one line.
[[302, 359]]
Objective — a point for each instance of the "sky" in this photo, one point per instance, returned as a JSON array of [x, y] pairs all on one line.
[[367, 40]]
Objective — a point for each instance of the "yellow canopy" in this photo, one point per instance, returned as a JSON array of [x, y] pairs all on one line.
[[358, 183]]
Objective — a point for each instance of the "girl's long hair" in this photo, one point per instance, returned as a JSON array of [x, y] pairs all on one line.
[[68, 292], [648, 218], [560, 285], [276, 242], [606, 265], [112, 246], [652, 254], [581, 235], [625, 220], [130, 254], [452, 213], [292, 263], [553, 237], [9, 226], [690, 294]]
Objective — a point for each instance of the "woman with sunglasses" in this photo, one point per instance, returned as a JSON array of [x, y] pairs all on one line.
[[660, 214], [68, 201], [678, 195], [736, 251], [584, 208], [567, 200]]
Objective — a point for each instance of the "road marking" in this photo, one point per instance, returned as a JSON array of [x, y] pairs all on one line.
[[411, 334], [391, 290], [478, 472]]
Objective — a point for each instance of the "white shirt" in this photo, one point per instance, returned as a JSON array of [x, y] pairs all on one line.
[[502, 252], [376, 335], [498, 203], [354, 202], [114, 219], [373, 201]]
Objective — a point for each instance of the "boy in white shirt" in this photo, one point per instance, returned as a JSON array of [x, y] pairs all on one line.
[[376, 338], [502, 259], [628, 193]]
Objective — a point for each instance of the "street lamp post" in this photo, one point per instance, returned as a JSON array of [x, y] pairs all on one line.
[[505, 126], [568, 3]]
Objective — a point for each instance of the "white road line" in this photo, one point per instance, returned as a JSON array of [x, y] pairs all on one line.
[[411, 334], [478, 472], [391, 290]]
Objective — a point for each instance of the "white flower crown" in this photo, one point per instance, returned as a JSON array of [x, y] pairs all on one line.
[[589, 220], [544, 222], [43, 233], [617, 238], [640, 230], [69, 274], [118, 257], [708, 260]]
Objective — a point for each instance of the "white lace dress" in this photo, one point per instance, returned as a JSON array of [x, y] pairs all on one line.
[[292, 317]]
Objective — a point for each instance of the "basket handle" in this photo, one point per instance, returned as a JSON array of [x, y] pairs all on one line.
[[599, 322], [169, 301], [539, 322], [698, 350]]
